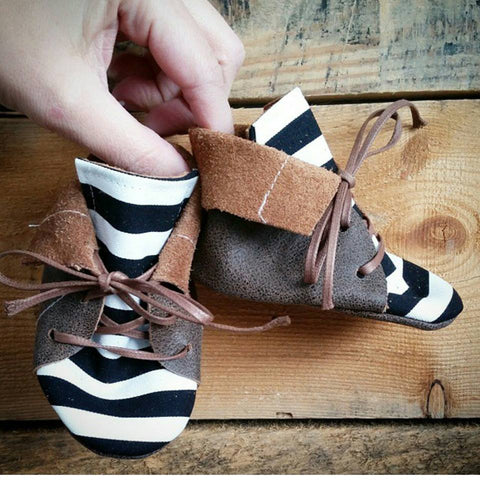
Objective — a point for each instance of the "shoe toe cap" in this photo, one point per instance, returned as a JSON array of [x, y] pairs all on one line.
[[110, 421], [420, 297]]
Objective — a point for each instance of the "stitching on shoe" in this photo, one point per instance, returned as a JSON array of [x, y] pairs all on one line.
[[151, 188], [62, 211], [180, 235], [265, 198]]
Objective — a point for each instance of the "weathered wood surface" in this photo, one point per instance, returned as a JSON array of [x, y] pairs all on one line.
[[351, 47], [261, 448], [423, 197]]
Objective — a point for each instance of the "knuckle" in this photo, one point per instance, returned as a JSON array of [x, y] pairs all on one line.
[[238, 50], [232, 53], [213, 77], [60, 106]]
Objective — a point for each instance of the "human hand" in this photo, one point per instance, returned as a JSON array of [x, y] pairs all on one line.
[[54, 57]]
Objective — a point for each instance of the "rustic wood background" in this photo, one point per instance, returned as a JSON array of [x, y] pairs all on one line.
[[281, 447], [338, 49]]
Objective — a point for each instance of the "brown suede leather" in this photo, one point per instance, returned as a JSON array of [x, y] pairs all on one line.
[[69, 315], [172, 339], [66, 234], [239, 255], [263, 263], [175, 259], [174, 265], [260, 183]]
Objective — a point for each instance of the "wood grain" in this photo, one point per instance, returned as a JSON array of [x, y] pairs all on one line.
[[334, 48], [422, 196], [261, 448]]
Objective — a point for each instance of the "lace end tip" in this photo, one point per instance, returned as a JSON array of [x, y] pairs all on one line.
[[418, 121], [328, 305], [9, 309], [283, 321]]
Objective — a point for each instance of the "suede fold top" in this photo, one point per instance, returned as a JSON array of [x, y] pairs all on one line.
[[260, 183]]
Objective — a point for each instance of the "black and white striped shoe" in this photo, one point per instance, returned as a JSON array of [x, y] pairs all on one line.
[[277, 200], [115, 405], [121, 393], [118, 341], [413, 292]]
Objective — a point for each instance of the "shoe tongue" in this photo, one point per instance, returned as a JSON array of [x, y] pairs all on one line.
[[289, 125], [132, 215]]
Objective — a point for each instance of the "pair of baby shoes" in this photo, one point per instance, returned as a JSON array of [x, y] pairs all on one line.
[[118, 342]]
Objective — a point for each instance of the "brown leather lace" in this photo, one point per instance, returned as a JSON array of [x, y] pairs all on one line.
[[104, 283], [323, 244]]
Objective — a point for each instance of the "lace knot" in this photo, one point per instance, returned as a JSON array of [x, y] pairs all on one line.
[[156, 301], [324, 239], [105, 279], [347, 177]]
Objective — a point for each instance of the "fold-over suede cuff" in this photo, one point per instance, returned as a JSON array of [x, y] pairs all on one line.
[[175, 259], [66, 234], [260, 183]]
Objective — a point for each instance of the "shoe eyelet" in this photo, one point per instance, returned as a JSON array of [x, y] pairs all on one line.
[[359, 274], [50, 334]]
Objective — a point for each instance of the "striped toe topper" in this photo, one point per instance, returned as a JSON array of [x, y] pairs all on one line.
[[412, 291], [118, 406]]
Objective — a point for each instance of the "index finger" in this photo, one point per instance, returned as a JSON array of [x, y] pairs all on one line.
[[183, 53]]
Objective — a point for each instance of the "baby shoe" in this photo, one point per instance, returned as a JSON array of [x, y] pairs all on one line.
[[118, 340], [282, 225]]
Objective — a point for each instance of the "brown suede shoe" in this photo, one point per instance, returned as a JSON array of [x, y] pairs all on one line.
[[282, 226]]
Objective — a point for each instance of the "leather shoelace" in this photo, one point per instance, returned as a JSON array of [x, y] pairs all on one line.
[[323, 243], [103, 283]]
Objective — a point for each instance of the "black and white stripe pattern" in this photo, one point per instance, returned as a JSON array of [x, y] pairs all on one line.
[[289, 125], [114, 405], [417, 293], [413, 292]]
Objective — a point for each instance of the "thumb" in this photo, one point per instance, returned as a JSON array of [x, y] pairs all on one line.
[[92, 117]]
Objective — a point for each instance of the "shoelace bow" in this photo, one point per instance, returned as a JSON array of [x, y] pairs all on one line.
[[103, 283], [323, 244]]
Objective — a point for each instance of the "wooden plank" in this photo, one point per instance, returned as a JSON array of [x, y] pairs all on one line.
[[261, 448], [355, 47], [423, 197]]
